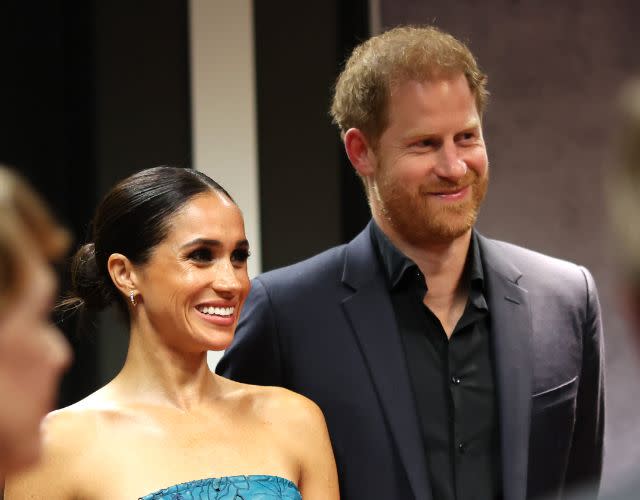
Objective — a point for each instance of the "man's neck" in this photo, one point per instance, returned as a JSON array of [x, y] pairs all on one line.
[[442, 264]]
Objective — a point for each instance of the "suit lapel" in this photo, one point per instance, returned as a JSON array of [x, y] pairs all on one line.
[[511, 329], [370, 313]]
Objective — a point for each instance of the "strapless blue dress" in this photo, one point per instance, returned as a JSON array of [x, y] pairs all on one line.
[[254, 487]]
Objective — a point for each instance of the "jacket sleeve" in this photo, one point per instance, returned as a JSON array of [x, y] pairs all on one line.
[[585, 459], [254, 354]]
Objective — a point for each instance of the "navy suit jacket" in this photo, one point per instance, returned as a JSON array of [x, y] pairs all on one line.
[[325, 328]]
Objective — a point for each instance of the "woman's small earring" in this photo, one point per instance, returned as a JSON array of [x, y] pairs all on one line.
[[132, 297]]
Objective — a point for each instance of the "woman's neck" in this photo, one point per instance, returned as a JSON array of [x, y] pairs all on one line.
[[158, 374]]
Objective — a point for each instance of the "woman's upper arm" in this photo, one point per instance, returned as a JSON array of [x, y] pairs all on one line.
[[318, 475]]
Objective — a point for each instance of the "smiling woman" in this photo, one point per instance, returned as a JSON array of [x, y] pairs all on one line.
[[169, 248]]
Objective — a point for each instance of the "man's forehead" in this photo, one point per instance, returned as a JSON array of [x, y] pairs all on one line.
[[428, 95], [422, 76]]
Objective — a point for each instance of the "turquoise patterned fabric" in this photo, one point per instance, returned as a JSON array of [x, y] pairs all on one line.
[[255, 487]]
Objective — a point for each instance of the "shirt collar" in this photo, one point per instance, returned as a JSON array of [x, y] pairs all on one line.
[[395, 264], [476, 272]]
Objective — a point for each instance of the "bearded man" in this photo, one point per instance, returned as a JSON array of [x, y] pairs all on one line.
[[448, 365]]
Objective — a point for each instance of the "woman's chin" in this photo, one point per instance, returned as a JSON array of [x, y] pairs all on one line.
[[218, 340]]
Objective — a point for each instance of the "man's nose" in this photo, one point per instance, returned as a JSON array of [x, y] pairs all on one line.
[[451, 165]]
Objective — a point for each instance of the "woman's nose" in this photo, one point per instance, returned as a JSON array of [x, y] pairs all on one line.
[[226, 278]]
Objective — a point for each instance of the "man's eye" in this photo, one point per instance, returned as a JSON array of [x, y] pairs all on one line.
[[425, 143], [201, 255], [466, 136], [240, 255]]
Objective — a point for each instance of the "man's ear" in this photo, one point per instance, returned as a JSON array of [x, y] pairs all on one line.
[[360, 152], [123, 273]]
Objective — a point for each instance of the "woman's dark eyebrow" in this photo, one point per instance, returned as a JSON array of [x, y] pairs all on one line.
[[202, 241], [212, 243]]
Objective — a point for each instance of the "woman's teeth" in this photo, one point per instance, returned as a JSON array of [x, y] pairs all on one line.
[[216, 311]]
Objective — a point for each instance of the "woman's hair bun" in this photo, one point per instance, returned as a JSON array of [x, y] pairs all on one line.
[[89, 287]]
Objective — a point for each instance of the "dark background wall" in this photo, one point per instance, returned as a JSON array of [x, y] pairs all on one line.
[[90, 92], [309, 198], [554, 69], [47, 123]]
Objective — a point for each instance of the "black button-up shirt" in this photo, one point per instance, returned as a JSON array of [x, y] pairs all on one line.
[[452, 378]]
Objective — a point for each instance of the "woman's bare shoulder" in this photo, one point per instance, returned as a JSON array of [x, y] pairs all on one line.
[[298, 424], [284, 408], [80, 421], [69, 433]]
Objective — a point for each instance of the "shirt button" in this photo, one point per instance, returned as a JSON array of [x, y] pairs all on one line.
[[455, 380], [462, 448]]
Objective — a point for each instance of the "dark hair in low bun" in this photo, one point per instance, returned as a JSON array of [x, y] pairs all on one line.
[[131, 219], [88, 287]]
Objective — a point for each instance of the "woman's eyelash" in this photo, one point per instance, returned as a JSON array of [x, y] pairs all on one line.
[[207, 255], [201, 254], [240, 255]]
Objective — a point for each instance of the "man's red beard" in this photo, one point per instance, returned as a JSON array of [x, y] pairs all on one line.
[[420, 219]]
